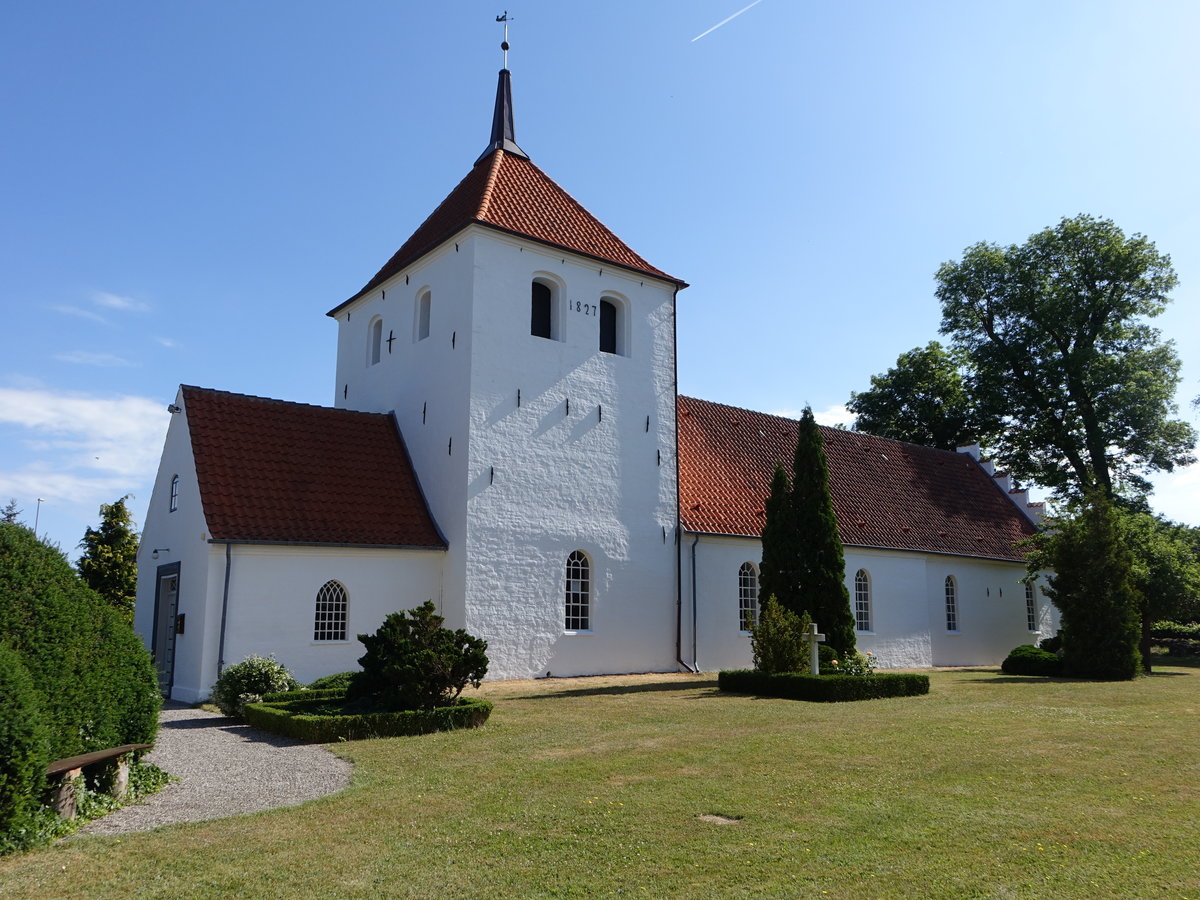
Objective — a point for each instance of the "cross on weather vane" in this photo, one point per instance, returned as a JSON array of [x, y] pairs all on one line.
[[504, 44]]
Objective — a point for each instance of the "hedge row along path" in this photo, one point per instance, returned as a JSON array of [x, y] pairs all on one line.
[[225, 769]]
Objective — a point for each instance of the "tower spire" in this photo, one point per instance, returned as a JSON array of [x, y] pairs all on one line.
[[503, 134]]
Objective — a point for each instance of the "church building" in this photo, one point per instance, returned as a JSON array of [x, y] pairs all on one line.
[[507, 440]]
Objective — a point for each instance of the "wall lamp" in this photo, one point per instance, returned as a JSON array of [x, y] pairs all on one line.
[[158, 550]]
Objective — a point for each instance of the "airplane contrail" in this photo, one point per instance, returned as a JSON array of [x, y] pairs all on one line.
[[724, 21]]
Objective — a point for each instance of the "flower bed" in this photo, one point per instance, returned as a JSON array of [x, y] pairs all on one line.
[[823, 688], [324, 718]]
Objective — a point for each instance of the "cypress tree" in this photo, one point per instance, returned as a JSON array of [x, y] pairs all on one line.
[[821, 569], [1093, 587], [777, 572]]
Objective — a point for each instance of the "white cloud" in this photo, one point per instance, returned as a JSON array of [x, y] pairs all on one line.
[[87, 358], [114, 301], [167, 342], [90, 315]]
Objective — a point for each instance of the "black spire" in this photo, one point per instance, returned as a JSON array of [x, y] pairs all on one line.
[[503, 136]]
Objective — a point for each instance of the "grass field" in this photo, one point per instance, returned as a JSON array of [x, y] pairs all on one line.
[[990, 786]]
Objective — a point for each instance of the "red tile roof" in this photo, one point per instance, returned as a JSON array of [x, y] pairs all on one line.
[[269, 470], [511, 194], [885, 493]]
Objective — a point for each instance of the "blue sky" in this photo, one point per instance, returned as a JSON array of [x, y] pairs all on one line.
[[189, 187]]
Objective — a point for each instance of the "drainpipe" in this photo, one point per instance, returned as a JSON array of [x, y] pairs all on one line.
[[224, 609], [695, 665]]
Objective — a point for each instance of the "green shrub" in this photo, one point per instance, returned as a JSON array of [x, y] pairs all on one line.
[[247, 682], [412, 662], [338, 681], [93, 681], [324, 720], [1051, 644], [823, 688], [1188, 632], [23, 756], [776, 640], [1030, 660]]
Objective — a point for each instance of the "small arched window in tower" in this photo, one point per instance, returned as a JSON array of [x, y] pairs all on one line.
[[951, 604], [862, 600], [376, 340], [330, 621], [578, 593], [424, 303], [1031, 611], [747, 597], [174, 505], [609, 326], [541, 310]]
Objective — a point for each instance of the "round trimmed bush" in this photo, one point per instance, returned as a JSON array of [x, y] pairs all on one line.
[[23, 739], [1030, 660], [247, 681]]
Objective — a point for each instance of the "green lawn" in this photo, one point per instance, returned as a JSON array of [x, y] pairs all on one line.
[[990, 786]]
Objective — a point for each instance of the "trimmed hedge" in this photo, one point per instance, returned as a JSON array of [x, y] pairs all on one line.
[[1180, 630], [824, 688], [303, 694], [92, 679], [337, 681], [23, 755], [313, 719], [1030, 660]]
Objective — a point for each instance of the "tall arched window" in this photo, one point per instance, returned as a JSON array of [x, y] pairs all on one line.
[[541, 310], [329, 623], [578, 593], [747, 597], [608, 326], [1031, 612], [424, 302], [862, 600], [174, 505], [376, 340], [951, 604]]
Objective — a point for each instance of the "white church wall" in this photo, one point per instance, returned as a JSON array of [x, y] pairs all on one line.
[[180, 536], [272, 601], [571, 465], [908, 607], [425, 381]]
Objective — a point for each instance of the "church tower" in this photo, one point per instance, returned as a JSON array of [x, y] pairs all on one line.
[[528, 356]]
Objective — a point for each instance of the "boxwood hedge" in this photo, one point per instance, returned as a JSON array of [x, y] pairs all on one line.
[[1030, 660], [824, 688], [319, 719]]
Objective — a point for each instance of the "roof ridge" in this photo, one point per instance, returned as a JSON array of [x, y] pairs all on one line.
[[275, 400], [485, 201]]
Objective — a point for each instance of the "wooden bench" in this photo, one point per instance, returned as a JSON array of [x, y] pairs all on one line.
[[69, 769]]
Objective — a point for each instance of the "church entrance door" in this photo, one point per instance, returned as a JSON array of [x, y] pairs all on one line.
[[166, 606]]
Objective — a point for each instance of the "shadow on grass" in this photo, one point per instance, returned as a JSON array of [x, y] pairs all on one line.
[[618, 689]]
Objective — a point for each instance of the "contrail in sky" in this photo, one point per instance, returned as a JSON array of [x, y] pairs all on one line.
[[724, 21]]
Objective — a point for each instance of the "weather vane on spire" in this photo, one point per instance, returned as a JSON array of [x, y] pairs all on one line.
[[504, 44]]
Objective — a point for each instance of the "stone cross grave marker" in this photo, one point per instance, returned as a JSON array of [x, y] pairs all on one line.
[[812, 639]]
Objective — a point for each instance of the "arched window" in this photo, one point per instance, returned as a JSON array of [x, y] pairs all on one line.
[[424, 302], [951, 604], [1031, 612], [541, 310], [747, 597], [376, 340], [174, 505], [578, 593], [608, 326], [862, 600], [330, 621]]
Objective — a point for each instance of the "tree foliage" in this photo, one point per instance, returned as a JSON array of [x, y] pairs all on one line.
[[412, 662], [1094, 588], [11, 514], [1055, 336], [109, 560], [924, 400], [822, 564], [777, 639], [803, 564]]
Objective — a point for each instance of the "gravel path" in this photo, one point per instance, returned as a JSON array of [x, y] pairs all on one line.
[[225, 769]]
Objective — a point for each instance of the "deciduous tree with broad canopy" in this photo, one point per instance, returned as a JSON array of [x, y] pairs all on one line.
[[1055, 336]]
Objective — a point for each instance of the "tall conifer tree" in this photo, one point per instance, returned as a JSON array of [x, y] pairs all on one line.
[[821, 569], [109, 560], [777, 573]]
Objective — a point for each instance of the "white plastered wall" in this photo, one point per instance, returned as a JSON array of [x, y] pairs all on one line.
[[908, 622]]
